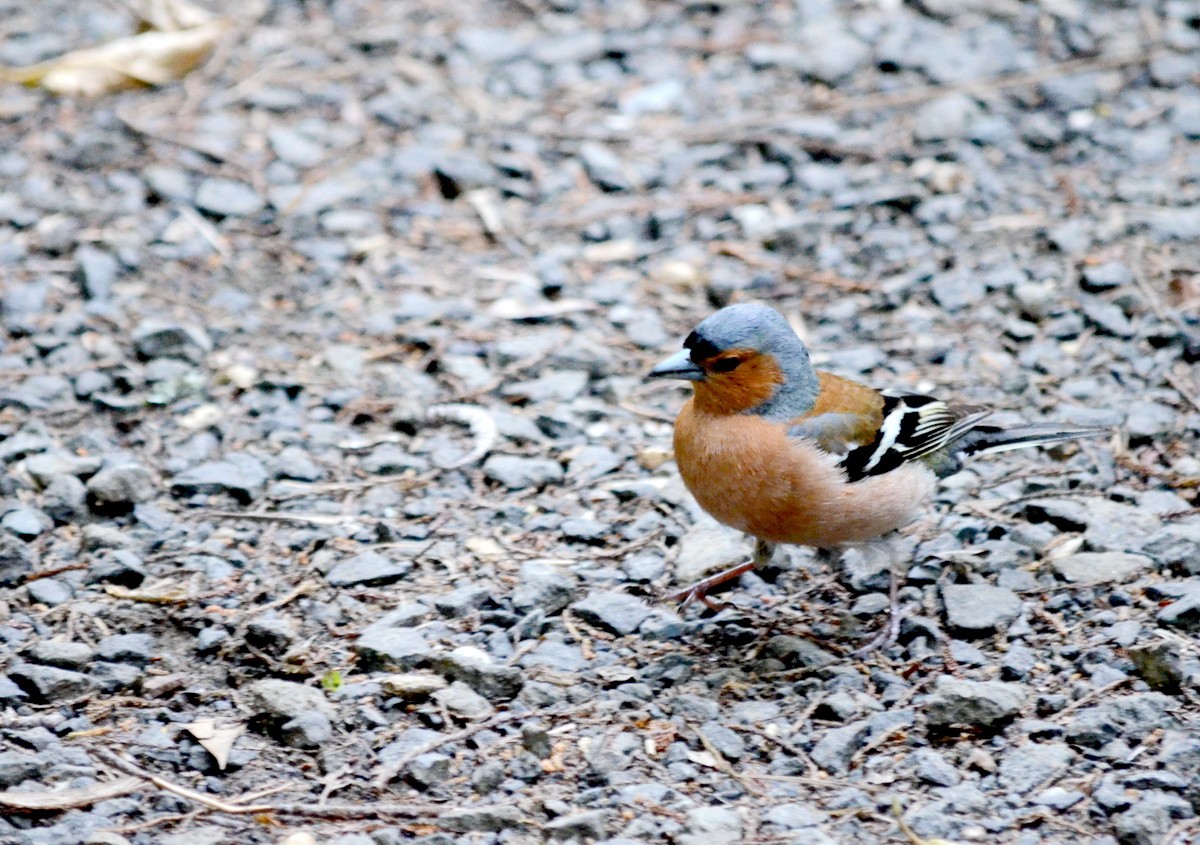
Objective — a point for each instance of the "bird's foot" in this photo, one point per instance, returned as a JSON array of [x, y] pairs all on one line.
[[891, 632], [699, 590]]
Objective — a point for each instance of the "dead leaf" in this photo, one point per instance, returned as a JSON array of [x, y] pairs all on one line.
[[69, 799], [170, 15], [216, 741], [161, 593], [139, 61]]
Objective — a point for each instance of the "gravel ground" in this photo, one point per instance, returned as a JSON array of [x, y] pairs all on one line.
[[244, 552]]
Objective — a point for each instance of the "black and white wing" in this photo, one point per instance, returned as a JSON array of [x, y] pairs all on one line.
[[913, 427]]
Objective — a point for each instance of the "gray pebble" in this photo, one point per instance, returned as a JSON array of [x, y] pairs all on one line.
[[518, 473], [983, 703], [228, 198], [979, 609], [368, 568]]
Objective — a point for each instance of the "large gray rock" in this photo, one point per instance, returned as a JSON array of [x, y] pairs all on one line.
[[979, 610], [1101, 567], [241, 476], [276, 701], [517, 473], [48, 684], [368, 568], [1024, 768], [614, 611], [16, 558], [979, 703]]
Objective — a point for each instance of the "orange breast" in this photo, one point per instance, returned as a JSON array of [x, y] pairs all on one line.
[[747, 474]]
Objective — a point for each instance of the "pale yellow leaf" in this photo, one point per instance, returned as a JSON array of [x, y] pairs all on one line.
[[148, 59], [216, 741], [170, 15]]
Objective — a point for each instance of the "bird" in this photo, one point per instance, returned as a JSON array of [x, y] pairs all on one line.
[[788, 454]]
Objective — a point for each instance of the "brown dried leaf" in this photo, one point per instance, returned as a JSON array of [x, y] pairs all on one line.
[[216, 741], [139, 61]]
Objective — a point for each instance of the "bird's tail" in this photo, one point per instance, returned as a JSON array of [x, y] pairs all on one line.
[[989, 439]]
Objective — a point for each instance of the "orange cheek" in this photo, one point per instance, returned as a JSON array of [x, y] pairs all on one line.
[[751, 384]]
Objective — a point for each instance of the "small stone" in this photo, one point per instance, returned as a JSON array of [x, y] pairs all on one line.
[[271, 632], [494, 681], [982, 703], [708, 547], [1101, 567], [711, 826], [979, 609], [487, 776], [517, 473], [603, 167], [429, 770], [368, 568], [16, 767], [228, 198], [1024, 768], [65, 655], [48, 684], [49, 591], [1102, 277], [274, 702], [613, 611], [462, 601], [1147, 421], [461, 699], [153, 339], [117, 566], [932, 767], [490, 818], [794, 816], [586, 826], [95, 271], [119, 488], [727, 742], [26, 523], [63, 499], [543, 585], [242, 477], [1147, 821], [835, 750], [413, 684], [946, 118], [1058, 798], [308, 730], [16, 559], [1160, 665], [402, 648], [126, 648], [112, 677]]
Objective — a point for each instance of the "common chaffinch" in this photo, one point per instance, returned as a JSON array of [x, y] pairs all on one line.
[[788, 454]]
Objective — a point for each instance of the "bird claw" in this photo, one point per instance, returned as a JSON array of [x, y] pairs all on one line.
[[888, 636], [699, 590]]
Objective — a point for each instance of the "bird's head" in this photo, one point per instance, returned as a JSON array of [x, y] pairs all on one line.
[[745, 359]]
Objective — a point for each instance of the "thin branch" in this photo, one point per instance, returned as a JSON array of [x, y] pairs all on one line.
[[322, 811], [69, 799]]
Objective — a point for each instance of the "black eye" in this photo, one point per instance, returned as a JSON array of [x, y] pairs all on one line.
[[725, 365]]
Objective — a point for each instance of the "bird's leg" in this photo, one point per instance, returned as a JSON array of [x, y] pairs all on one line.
[[891, 632], [763, 552]]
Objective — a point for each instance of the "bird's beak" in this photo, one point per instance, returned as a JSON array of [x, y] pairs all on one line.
[[678, 366]]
